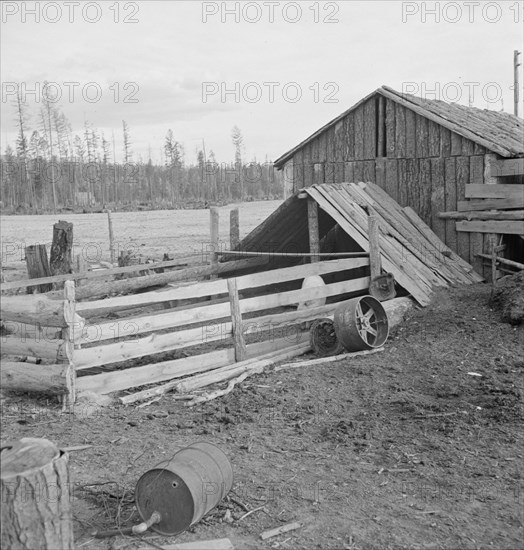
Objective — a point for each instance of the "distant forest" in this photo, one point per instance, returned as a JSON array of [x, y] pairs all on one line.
[[50, 169]]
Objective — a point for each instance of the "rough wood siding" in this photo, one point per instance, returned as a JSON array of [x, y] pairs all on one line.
[[425, 166]]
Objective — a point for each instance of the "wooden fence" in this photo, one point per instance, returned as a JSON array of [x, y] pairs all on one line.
[[80, 350]]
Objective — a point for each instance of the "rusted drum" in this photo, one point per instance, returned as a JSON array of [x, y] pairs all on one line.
[[185, 488], [361, 323], [323, 338]]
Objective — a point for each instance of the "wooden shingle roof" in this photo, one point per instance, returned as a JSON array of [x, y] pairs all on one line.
[[497, 131]]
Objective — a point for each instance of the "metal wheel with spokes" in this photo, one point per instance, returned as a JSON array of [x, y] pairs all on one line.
[[361, 323]]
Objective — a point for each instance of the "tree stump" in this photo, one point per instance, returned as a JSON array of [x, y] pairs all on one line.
[[36, 509], [37, 266], [61, 258]]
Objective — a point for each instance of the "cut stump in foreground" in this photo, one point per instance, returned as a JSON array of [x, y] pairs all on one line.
[[36, 507]]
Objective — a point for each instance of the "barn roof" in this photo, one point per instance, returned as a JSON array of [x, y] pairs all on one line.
[[417, 258], [497, 131]]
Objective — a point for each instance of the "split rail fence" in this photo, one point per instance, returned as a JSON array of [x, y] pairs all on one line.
[[66, 347]]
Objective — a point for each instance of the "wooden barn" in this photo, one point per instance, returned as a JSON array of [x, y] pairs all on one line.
[[435, 157]]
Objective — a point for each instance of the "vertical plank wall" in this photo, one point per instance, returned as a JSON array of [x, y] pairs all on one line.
[[424, 165]]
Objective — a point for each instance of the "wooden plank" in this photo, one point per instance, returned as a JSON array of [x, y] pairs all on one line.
[[329, 173], [214, 236], [447, 252], [160, 372], [390, 129], [369, 170], [370, 129], [425, 190], [445, 142], [498, 191], [314, 150], [450, 176], [422, 136], [462, 180], [400, 130], [434, 139], [499, 227], [507, 167], [182, 292], [358, 171], [314, 238], [416, 288], [349, 131], [125, 349], [259, 303], [476, 240], [438, 197], [391, 186], [402, 195], [381, 130], [339, 172], [412, 183], [411, 135], [468, 148], [375, 266], [92, 274], [113, 330], [380, 172], [323, 148], [299, 272], [253, 363], [358, 115], [349, 171], [484, 215], [489, 204], [413, 240], [318, 173], [236, 321], [338, 145]]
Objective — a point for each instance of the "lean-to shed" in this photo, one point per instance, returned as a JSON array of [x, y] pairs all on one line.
[[435, 157]]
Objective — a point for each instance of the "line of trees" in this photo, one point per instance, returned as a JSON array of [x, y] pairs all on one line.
[[50, 168]]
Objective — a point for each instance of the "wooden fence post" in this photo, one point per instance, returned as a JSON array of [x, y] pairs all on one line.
[[312, 221], [61, 256], [214, 220], [234, 229], [236, 318], [37, 266], [375, 265], [68, 335], [112, 250]]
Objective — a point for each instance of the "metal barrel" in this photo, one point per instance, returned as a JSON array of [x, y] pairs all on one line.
[[361, 323], [185, 488]]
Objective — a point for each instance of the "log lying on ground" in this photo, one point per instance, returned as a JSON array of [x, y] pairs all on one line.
[[99, 290], [36, 509], [34, 309], [28, 377]]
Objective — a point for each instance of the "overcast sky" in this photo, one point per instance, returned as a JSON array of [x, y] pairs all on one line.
[[163, 65]]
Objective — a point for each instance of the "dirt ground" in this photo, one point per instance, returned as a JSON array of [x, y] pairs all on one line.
[[419, 446]]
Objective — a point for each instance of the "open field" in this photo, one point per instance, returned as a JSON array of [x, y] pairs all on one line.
[[148, 233], [417, 447]]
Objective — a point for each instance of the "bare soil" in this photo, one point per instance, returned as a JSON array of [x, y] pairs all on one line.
[[419, 446]]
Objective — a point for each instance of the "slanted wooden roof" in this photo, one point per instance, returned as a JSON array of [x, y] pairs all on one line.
[[497, 131], [418, 259]]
